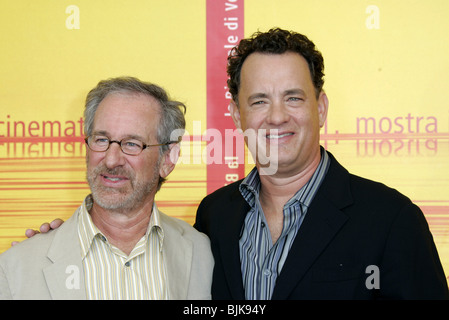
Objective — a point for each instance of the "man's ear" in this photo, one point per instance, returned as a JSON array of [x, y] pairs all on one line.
[[235, 114], [169, 160], [323, 107]]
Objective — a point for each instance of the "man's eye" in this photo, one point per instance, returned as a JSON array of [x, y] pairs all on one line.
[[101, 140], [132, 144]]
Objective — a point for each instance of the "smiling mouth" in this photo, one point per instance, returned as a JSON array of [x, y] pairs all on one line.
[[114, 179], [278, 136]]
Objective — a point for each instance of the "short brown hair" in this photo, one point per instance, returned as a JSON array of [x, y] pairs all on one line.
[[275, 41]]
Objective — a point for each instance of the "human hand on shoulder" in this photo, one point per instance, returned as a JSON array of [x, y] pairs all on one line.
[[44, 228]]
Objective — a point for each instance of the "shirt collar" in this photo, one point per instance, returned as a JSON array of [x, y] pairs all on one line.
[[250, 186], [87, 230], [155, 225]]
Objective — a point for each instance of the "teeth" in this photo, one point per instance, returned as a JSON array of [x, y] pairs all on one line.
[[275, 136], [113, 179]]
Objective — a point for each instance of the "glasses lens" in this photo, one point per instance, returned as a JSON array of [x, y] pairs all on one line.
[[98, 143], [128, 146], [132, 146]]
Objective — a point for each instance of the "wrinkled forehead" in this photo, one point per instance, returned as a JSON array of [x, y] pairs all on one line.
[[124, 114]]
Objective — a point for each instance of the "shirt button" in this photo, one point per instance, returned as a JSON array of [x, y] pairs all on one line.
[[262, 224], [267, 272], [127, 264]]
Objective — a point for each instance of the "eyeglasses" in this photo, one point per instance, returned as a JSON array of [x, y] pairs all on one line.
[[132, 147]]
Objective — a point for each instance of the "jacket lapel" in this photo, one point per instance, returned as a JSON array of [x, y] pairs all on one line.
[[65, 276], [178, 253], [229, 233], [323, 221], [321, 224]]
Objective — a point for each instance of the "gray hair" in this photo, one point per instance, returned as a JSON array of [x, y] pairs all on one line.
[[172, 112]]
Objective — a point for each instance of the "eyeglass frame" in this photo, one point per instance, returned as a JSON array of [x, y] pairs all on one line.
[[144, 145]]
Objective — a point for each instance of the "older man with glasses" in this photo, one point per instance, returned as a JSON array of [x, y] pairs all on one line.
[[118, 245]]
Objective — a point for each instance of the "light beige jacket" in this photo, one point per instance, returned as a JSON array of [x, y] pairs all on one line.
[[49, 266]]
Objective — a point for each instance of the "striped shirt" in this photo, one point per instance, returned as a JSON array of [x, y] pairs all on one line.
[[261, 260], [110, 273]]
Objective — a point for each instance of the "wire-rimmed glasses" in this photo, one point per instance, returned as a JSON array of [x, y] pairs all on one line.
[[129, 146]]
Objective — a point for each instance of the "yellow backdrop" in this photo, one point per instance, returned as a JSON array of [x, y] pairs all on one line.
[[387, 68]]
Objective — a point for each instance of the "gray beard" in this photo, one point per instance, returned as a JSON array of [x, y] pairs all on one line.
[[116, 199]]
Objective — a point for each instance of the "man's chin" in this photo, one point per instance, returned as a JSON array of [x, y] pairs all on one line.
[[113, 201]]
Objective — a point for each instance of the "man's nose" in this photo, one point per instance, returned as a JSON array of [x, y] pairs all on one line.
[[114, 156], [277, 114]]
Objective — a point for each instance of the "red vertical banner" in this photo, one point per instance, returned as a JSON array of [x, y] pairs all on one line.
[[224, 29]]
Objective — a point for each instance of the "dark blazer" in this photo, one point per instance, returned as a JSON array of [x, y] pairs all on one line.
[[352, 223]]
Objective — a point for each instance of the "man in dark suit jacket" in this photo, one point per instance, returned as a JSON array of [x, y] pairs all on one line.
[[351, 224], [351, 238]]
